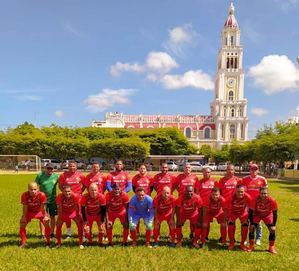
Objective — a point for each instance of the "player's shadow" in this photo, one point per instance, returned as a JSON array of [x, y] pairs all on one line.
[[294, 219], [291, 185]]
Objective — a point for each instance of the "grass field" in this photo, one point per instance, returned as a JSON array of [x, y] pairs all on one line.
[[69, 257]]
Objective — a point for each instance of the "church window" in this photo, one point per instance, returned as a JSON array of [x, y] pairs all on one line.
[[207, 132], [188, 132], [231, 95], [232, 131]]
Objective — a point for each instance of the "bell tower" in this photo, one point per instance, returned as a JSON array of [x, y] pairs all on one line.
[[229, 107]]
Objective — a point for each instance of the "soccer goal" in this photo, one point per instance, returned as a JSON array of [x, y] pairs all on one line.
[[20, 162]]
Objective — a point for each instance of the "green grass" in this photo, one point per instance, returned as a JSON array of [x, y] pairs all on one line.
[[69, 257]]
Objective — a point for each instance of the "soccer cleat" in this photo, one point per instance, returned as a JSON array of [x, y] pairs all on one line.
[[178, 244], [203, 246], [52, 235], [68, 236], [172, 245], [251, 248], [125, 244], [134, 244], [42, 237], [195, 245], [243, 247], [258, 242], [56, 247], [148, 244], [47, 246], [109, 245], [207, 239], [272, 250], [81, 246], [191, 235], [231, 246], [23, 246], [129, 239], [156, 244]]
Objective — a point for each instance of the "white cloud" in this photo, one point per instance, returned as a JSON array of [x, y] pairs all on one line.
[[160, 62], [259, 111], [193, 79], [68, 27], [108, 98], [275, 73], [59, 114], [180, 38], [120, 67]]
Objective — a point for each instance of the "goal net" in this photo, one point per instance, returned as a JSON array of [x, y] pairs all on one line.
[[20, 162]]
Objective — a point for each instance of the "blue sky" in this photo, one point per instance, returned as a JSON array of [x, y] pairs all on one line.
[[70, 61]]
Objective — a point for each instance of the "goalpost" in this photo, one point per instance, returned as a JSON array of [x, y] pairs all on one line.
[[20, 162]]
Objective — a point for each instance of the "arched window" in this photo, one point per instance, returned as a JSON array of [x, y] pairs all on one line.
[[224, 111], [232, 40], [232, 112], [188, 132], [231, 95], [232, 131], [222, 131], [242, 131], [207, 132]]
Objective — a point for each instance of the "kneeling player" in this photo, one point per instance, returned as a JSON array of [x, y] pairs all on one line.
[[263, 208], [117, 206], [189, 207], [141, 206], [68, 209], [93, 210], [33, 202], [238, 208], [214, 208], [164, 206]]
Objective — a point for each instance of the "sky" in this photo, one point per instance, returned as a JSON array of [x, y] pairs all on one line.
[[68, 62]]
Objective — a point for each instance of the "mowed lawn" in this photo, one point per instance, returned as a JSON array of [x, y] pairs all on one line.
[[69, 257]]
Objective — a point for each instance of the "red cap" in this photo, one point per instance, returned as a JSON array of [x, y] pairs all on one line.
[[254, 166]]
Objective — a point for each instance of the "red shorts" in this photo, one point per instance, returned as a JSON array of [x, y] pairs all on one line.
[[93, 218], [219, 217], [122, 216], [164, 217], [193, 218], [66, 217], [243, 217], [267, 219], [29, 216]]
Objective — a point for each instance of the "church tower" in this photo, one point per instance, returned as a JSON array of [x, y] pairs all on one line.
[[229, 107]]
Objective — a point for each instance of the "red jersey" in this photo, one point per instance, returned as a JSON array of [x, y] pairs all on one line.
[[68, 204], [182, 181], [228, 186], [161, 180], [119, 177], [204, 188], [143, 181], [263, 208], [239, 205], [97, 178], [33, 203], [164, 206], [215, 207], [253, 185], [93, 205], [74, 180], [117, 204], [189, 207]]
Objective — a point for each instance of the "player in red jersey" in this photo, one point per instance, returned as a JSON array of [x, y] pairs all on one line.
[[187, 178], [142, 179], [34, 203], [75, 180], [117, 207], [119, 176], [68, 204], [253, 183], [215, 208], [97, 177], [263, 208], [189, 207], [238, 208], [164, 206], [93, 210], [164, 178]]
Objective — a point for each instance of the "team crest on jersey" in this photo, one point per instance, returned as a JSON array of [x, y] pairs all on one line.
[[259, 182], [78, 179]]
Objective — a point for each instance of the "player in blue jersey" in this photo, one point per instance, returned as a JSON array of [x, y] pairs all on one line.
[[141, 206]]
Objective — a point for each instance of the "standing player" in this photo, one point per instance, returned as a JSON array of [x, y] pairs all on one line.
[[141, 206], [215, 208], [263, 208], [95, 176], [164, 178], [117, 207], [187, 178], [119, 176], [93, 210], [142, 179], [75, 180], [164, 206], [189, 207], [34, 202], [238, 208], [47, 181], [253, 183], [68, 209]]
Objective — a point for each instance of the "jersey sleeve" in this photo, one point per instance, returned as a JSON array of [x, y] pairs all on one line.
[[199, 202], [43, 198], [128, 178], [83, 200], [76, 199], [37, 178], [107, 198], [179, 202], [24, 198], [126, 198], [102, 200], [155, 203], [224, 203], [58, 199], [274, 204], [134, 180]]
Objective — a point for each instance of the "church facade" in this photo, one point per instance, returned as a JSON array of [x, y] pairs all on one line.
[[228, 119]]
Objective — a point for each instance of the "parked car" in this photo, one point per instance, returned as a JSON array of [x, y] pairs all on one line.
[[56, 163], [211, 166], [196, 166], [80, 165], [238, 167], [172, 165], [222, 166]]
